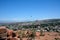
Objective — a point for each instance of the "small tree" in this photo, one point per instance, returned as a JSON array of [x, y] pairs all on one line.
[[41, 32]]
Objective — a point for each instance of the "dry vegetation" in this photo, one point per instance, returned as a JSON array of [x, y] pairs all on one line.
[[29, 35], [49, 30]]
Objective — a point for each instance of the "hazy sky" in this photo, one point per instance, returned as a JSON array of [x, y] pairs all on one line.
[[25, 10]]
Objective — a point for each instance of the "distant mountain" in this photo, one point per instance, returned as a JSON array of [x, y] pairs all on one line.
[[48, 20], [33, 22]]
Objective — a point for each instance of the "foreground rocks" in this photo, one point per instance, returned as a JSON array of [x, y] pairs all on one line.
[[7, 34]]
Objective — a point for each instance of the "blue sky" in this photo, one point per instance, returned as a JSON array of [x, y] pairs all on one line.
[[26, 10]]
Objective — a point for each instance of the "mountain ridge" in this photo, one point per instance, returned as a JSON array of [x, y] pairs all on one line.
[[35, 21]]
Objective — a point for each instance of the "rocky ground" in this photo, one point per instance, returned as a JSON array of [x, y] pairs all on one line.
[[37, 36], [8, 34]]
